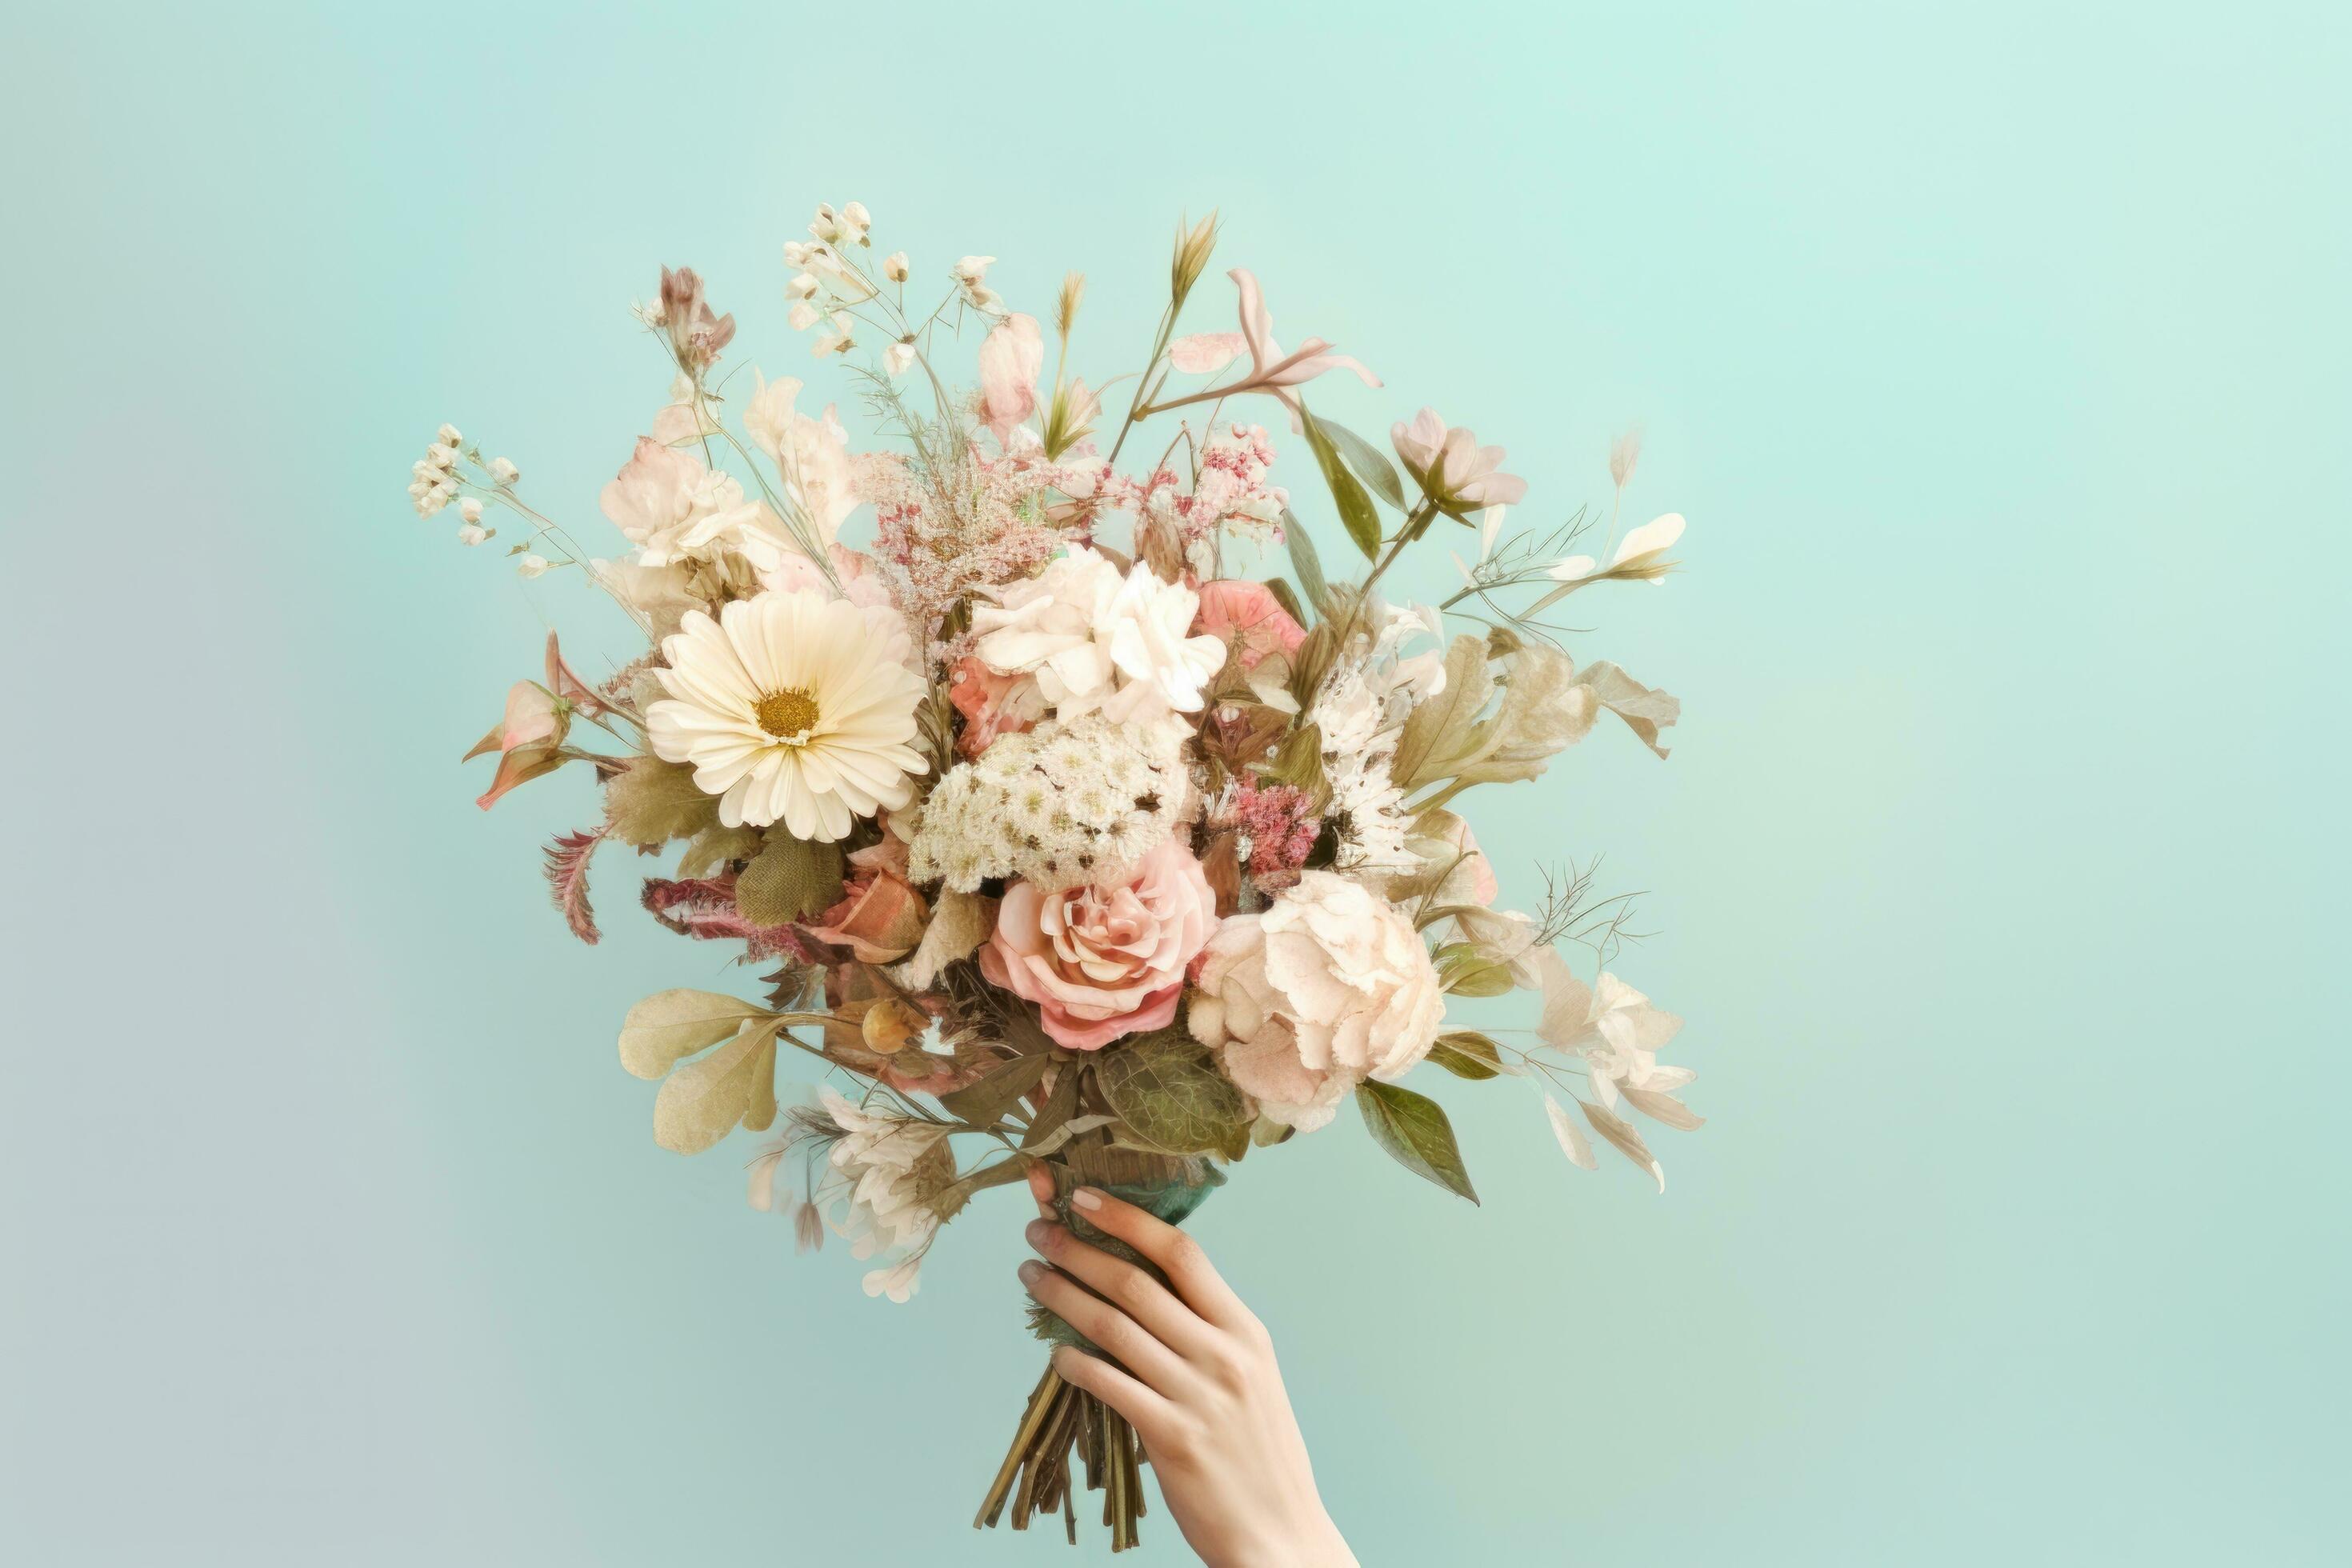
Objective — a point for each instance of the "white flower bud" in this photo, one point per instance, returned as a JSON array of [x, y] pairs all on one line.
[[503, 471], [897, 357], [531, 565], [801, 286], [449, 436], [470, 509], [895, 267], [472, 533]]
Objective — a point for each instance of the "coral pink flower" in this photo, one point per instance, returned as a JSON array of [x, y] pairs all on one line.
[[1249, 617], [1102, 962], [991, 704]]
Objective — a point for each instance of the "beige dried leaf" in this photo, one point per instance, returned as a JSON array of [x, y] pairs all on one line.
[[1620, 1133], [960, 923], [1572, 1140]]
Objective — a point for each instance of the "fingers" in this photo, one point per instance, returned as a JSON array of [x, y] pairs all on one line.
[[1125, 1287], [1154, 1364], [1178, 1254], [1152, 1416], [1041, 1187]]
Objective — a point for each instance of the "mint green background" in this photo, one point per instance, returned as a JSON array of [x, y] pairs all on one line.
[[1996, 353]]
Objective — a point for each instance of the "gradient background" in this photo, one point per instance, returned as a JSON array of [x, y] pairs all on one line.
[[1996, 353]]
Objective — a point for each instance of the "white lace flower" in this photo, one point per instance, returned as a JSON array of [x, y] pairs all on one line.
[[1100, 642], [792, 706], [1056, 805]]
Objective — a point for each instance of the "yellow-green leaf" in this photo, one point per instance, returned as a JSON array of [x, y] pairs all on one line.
[[1356, 513], [787, 879], [701, 1102], [668, 1025]]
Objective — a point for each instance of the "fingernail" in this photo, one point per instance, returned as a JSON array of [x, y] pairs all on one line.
[[1087, 1198], [1031, 1271], [1037, 1232]]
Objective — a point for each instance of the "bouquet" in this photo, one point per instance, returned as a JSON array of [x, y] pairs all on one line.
[[1082, 814]]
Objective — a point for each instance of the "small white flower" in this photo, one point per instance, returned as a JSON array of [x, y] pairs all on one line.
[[803, 316], [531, 565], [834, 339], [441, 456], [971, 276], [797, 252], [472, 533], [897, 357], [855, 223], [503, 471], [470, 509], [448, 436], [895, 266], [826, 224], [801, 286]]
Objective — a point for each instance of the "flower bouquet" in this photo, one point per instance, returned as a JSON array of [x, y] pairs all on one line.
[[1084, 816]]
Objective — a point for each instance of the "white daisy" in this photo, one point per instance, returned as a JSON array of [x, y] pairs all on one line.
[[792, 706]]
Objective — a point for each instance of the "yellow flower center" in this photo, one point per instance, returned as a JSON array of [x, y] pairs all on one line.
[[789, 715]]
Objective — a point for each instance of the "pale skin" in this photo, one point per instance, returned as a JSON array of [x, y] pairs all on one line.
[[1200, 1385]]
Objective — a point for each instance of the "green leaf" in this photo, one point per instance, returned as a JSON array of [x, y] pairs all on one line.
[[1371, 464], [983, 1101], [1299, 762], [1305, 561], [715, 846], [1437, 731], [701, 1102], [1168, 1090], [651, 802], [1467, 974], [1287, 599], [668, 1025], [1414, 1129], [789, 877], [1466, 1053], [1356, 513]]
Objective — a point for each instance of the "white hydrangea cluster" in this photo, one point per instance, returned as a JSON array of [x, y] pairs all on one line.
[[1061, 805]]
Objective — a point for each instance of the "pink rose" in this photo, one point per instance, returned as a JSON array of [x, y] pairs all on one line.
[[1101, 962], [879, 919], [1248, 616]]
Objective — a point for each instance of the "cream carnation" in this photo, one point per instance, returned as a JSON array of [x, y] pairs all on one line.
[[1100, 642], [673, 508], [1104, 961], [792, 708], [1306, 999]]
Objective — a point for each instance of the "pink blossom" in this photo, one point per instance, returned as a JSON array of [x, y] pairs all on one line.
[[1453, 469], [1011, 357], [529, 740], [1248, 617], [1271, 370], [1104, 961]]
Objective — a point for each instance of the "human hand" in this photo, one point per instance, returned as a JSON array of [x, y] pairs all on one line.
[[1200, 1384]]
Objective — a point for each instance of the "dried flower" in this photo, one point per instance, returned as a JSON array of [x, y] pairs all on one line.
[[472, 533], [1060, 804], [696, 332], [531, 565], [503, 473], [971, 275], [894, 266], [1640, 556], [1011, 357]]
